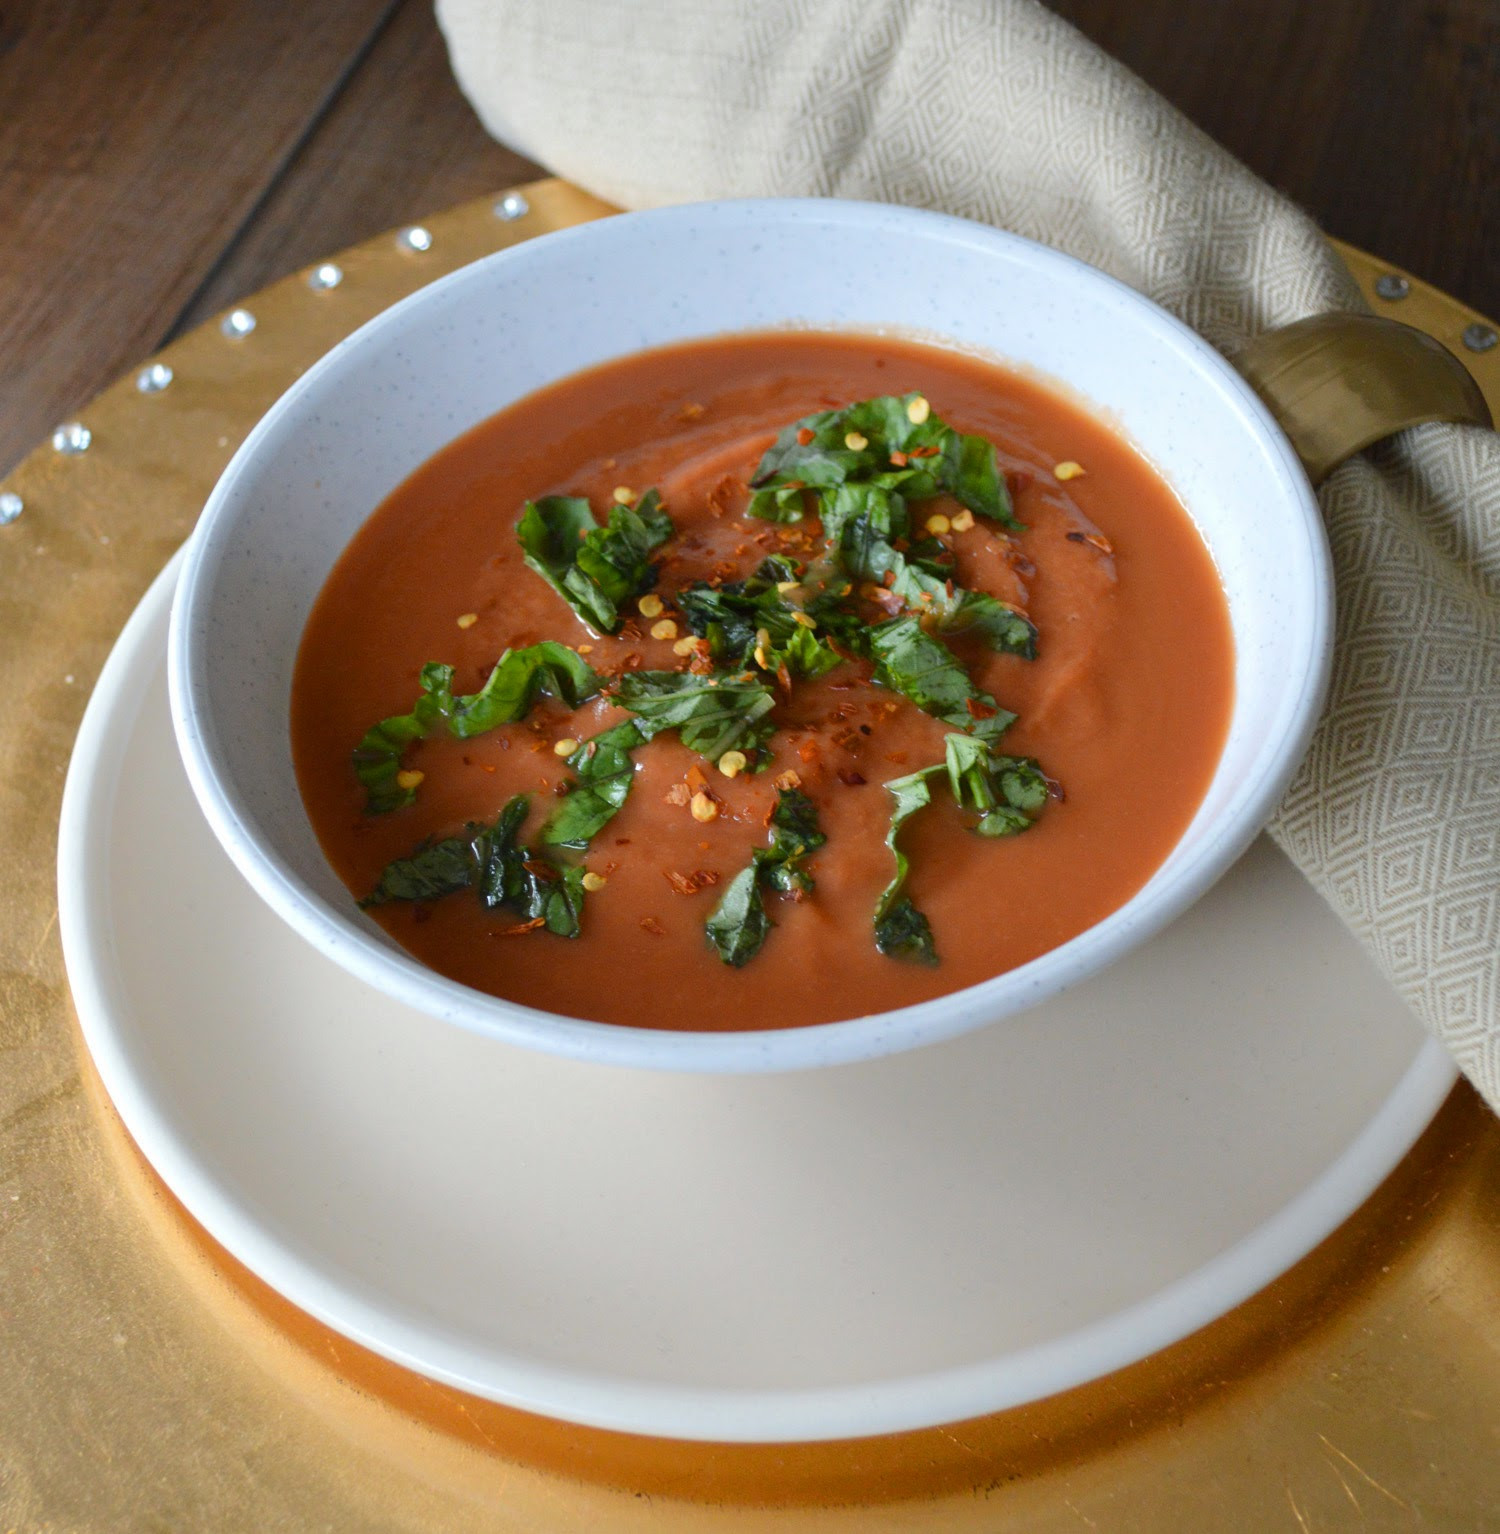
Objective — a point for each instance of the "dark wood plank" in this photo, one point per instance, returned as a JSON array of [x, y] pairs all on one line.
[[137, 136], [399, 142], [1382, 120]]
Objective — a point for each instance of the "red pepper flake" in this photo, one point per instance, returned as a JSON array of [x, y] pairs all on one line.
[[808, 751], [632, 662], [696, 778], [784, 678], [622, 841], [701, 662], [930, 451], [978, 710], [899, 459], [690, 884], [630, 630], [898, 757], [798, 484], [525, 926], [486, 766], [851, 777], [804, 436], [1017, 480], [887, 601], [654, 927]]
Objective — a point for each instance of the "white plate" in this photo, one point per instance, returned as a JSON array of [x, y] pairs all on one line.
[[854, 1250]]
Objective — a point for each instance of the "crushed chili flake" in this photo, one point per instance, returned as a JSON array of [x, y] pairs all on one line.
[[525, 926], [804, 436], [690, 884], [622, 841], [978, 710], [1016, 480], [898, 757], [808, 751], [654, 927], [696, 777], [930, 451], [899, 459]]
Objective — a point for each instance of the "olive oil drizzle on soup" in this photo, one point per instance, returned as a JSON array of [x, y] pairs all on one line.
[[1125, 705]]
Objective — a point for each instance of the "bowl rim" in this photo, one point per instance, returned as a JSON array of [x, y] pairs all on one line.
[[870, 1035]]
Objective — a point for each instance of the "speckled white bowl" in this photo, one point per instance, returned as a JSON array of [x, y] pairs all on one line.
[[456, 352]]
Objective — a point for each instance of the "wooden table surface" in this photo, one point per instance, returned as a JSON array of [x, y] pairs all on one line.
[[160, 158]]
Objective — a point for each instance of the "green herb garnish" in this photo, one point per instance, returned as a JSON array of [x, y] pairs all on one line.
[[712, 714], [1007, 791], [519, 678], [606, 771], [491, 861], [930, 459], [595, 569], [739, 924], [912, 662], [901, 930]]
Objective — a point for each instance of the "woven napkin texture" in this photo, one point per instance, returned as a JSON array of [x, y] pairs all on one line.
[[998, 111]]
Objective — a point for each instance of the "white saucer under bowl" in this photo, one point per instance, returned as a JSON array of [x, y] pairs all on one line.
[[847, 1251]]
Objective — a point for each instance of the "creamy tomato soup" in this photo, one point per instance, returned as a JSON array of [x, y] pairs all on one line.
[[1120, 715]]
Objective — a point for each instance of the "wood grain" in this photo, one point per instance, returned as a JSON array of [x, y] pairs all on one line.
[[136, 134], [1381, 119], [399, 142]]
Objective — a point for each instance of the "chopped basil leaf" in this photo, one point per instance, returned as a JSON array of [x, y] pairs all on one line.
[[750, 623], [901, 930], [606, 771], [815, 452], [910, 661], [905, 933], [1001, 627], [595, 569], [533, 886], [781, 503], [1007, 791], [862, 522], [519, 677], [739, 924], [432, 871], [377, 757], [712, 714], [794, 833], [493, 862]]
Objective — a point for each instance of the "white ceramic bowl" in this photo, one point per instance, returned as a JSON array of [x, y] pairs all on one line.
[[456, 352]]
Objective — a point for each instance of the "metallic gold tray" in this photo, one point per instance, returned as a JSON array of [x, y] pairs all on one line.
[[151, 1382]]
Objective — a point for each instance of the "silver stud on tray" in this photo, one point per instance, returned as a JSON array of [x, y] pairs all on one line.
[[1480, 338], [71, 438], [238, 324], [154, 379], [11, 507], [322, 278], [415, 238], [1392, 286], [511, 207]]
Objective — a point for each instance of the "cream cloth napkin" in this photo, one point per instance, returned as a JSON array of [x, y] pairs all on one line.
[[999, 111]]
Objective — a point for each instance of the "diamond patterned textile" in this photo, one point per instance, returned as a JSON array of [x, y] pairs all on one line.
[[999, 111]]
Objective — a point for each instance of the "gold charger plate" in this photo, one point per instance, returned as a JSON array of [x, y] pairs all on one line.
[[151, 1382]]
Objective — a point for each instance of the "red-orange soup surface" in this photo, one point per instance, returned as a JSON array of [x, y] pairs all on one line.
[[1126, 704]]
